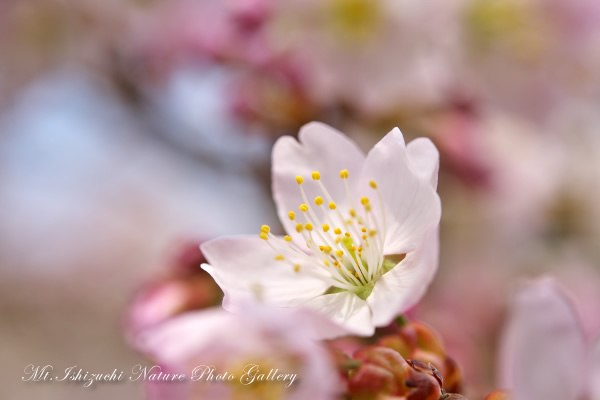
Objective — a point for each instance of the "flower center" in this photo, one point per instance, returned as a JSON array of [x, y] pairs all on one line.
[[345, 247], [354, 20], [508, 24]]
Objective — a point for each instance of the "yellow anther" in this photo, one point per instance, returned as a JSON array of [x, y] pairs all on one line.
[[326, 262], [372, 232], [356, 274], [308, 226], [364, 201], [373, 184], [338, 239], [332, 205], [352, 212], [292, 215], [337, 231], [316, 175], [321, 248], [299, 179], [327, 249], [353, 248], [303, 208], [339, 253], [318, 200], [364, 237], [325, 227], [336, 263], [279, 257], [359, 249], [347, 234], [287, 238], [299, 227], [297, 268], [344, 174], [263, 236], [368, 207], [363, 229]]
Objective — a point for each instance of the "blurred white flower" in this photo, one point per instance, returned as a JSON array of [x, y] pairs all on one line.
[[360, 262], [530, 57], [371, 55]]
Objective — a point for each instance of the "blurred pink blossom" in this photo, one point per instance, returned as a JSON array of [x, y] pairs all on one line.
[[269, 338], [544, 353]]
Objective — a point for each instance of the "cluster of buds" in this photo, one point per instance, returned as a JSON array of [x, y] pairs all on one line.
[[408, 363]]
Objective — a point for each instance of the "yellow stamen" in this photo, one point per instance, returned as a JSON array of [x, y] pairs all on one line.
[[318, 200], [299, 227], [265, 229], [372, 232], [373, 184], [347, 234], [303, 208], [332, 205], [292, 215], [363, 229], [364, 237], [308, 226], [339, 253], [338, 239], [352, 212], [364, 201], [326, 263], [287, 238], [327, 249], [344, 174], [299, 179], [325, 227], [297, 268], [279, 257], [316, 175], [337, 231], [368, 207], [263, 236]]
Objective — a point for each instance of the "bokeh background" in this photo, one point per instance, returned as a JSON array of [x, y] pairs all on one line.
[[133, 130]]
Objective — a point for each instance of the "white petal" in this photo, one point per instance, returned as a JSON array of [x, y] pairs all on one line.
[[595, 372], [424, 159], [405, 284], [543, 348], [412, 207], [345, 309], [321, 148], [245, 268]]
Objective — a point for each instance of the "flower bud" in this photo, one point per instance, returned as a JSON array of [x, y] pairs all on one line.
[[499, 395]]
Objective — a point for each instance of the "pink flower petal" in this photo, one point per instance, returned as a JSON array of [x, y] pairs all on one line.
[[543, 350], [595, 372]]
